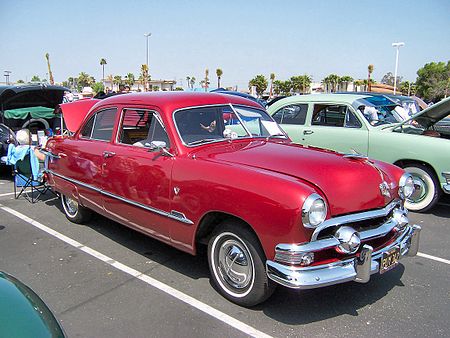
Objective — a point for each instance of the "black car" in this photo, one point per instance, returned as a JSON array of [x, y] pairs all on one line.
[[27, 106]]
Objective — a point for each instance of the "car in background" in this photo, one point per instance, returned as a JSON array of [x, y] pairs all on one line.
[[23, 313], [28, 106], [236, 93], [336, 122], [211, 170]]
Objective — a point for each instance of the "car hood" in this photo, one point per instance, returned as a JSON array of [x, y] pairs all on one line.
[[349, 184], [432, 114], [75, 112], [13, 97]]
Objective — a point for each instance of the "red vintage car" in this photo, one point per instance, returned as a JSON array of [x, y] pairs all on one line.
[[193, 169]]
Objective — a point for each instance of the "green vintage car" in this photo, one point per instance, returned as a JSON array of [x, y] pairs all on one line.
[[369, 125]]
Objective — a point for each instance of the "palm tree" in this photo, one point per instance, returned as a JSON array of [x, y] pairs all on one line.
[[103, 63], [130, 79], [110, 79], [272, 78], [370, 71], [331, 80], [192, 81], [344, 82], [206, 80], [188, 80], [145, 76], [117, 80], [219, 74]]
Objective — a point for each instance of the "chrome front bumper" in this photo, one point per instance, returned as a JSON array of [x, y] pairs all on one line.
[[355, 269]]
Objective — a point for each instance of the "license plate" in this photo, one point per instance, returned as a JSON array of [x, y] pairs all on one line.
[[389, 259]]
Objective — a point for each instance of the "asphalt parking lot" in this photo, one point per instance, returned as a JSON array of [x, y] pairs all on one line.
[[105, 280]]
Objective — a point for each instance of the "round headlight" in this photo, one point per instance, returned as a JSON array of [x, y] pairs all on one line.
[[406, 186], [314, 211]]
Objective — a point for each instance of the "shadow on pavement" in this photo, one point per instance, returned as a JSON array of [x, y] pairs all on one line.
[[286, 305]]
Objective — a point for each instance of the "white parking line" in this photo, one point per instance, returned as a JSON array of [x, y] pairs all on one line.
[[7, 194], [247, 329], [434, 258]]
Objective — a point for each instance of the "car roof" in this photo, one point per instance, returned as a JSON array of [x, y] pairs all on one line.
[[171, 101], [335, 97]]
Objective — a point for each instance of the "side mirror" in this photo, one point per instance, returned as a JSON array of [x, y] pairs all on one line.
[[159, 146]]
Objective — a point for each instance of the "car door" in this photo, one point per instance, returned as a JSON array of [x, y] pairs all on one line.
[[336, 127], [137, 180], [81, 157], [292, 119]]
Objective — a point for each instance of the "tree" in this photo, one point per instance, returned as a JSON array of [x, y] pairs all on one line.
[[20, 81], [145, 76], [192, 82], [188, 80], [50, 74], [282, 87], [407, 88], [331, 81], [85, 80], [388, 79], [130, 79], [103, 63], [344, 81], [205, 82], [35, 78], [433, 81], [260, 82], [219, 74], [117, 80], [272, 78], [180, 89], [98, 87], [369, 73]]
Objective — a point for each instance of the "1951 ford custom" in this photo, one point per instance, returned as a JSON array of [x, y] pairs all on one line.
[[193, 169]]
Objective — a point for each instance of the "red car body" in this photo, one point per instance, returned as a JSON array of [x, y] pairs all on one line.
[[183, 193]]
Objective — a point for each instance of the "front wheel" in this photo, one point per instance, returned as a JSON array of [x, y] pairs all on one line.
[[427, 188], [74, 211], [237, 265]]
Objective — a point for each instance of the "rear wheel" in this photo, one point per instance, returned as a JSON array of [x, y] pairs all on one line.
[[237, 265], [427, 188], [74, 211]]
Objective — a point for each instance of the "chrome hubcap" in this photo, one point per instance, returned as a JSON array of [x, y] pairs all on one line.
[[71, 205], [420, 191], [234, 264]]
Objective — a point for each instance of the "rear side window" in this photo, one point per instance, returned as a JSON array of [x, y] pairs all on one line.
[[103, 124], [292, 114], [140, 128], [334, 116]]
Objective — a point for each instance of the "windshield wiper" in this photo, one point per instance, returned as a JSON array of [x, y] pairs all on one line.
[[204, 140]]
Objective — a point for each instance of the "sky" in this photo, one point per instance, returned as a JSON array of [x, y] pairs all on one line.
[[243, 38]]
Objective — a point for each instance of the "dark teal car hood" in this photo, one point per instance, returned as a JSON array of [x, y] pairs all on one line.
[[23, 313]]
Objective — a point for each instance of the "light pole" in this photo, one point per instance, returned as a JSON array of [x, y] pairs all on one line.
[[147, 35], [396, 45], [7, 73]]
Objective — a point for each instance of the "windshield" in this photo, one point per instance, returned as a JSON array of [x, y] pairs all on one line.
[[216, 123], [379, 110]]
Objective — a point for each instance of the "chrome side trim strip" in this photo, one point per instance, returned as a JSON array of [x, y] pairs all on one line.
[[354, 218], [178, 216]]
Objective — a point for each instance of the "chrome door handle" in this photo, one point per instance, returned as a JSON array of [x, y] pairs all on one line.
[[307, 132], [107, 154]]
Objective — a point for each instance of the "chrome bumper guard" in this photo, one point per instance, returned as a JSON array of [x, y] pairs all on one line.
[[355, 269]]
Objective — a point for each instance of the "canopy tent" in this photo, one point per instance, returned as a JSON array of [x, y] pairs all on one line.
[[34, 112]]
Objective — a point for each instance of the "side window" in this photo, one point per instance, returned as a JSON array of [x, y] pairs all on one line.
[[292, 114], [104, 124], [140, 128], [87, 129], [329, 115], [351, 121]]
